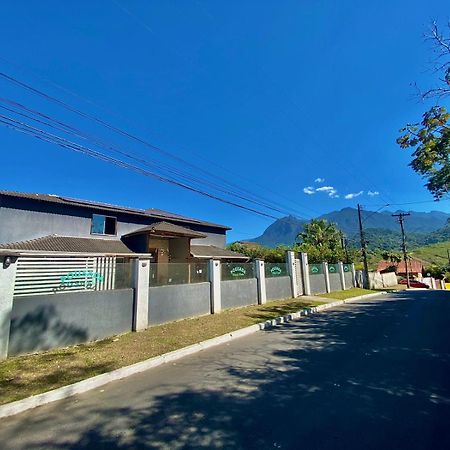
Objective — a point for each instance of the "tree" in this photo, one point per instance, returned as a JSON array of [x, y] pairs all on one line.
[[322, 241], [431, 137], [256, 251]]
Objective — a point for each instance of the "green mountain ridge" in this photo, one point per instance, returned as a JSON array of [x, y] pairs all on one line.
[[382, 230]]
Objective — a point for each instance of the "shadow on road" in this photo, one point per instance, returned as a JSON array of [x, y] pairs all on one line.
[[373, 375]]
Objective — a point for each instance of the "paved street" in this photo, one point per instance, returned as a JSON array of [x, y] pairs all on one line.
[[370, 375]]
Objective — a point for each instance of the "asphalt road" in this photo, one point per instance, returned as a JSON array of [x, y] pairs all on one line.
[[370, 375]]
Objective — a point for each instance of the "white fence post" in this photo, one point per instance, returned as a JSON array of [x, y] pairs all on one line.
[[326, 274], [261, 280], [292, 273], [341, 274], [141, 272], [354, 275], [215, 281], [8, 268], [305, 272]]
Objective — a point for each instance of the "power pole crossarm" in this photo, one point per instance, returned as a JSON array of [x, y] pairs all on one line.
[[401, 218]]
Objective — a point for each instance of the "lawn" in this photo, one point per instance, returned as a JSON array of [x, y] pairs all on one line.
[[344, 295], [27, 375]]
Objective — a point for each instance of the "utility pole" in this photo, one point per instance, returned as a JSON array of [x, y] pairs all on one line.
[[448, 256], [401, 218], [344, 245], [363, 250]]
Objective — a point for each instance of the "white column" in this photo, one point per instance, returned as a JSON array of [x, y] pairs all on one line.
[[141, 269], [326, 274], [305, 272], [261, 281], [215, 282], [341, 274], [290, 258], [8, 266], [353, 275]]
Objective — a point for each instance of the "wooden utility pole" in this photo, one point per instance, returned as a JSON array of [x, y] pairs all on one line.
[[401, 217], [448, 256], [363, 250]]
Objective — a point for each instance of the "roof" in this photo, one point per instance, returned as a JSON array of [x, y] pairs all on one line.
[[68, 244], [211, 251], [151, 213], [167, 229], [414, 266]]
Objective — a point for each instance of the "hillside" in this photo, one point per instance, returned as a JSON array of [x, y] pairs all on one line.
[[381, 228], [434, 253]]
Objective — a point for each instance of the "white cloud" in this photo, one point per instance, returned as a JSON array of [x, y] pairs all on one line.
[[356, 194], [330, 190], [309, 190], [325, 189], [373, 193], [319, 180]]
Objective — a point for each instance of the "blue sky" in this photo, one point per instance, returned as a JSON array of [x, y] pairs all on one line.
[[273, 96]]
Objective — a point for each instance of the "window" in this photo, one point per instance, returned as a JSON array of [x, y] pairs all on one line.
[[103, 225]]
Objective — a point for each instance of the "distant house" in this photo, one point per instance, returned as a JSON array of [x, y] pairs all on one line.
[[415, 267], [55, 224]]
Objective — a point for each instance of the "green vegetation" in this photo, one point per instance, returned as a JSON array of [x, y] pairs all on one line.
[[323, 242], [27, 375], [344, 295], [256, 251], [430, 138], [434, 253]]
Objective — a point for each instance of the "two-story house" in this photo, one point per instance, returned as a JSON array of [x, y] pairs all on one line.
[[51, 223]]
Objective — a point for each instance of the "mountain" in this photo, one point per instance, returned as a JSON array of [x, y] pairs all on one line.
[[282, 231], [382, 229]]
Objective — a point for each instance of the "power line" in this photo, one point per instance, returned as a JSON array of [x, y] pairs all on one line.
[[117, 130], [48, 137]]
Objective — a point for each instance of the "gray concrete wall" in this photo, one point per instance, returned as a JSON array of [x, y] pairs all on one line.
[[170, 303], [76, 222], [42, 322], [317, 283], [348, 280], [278, 288], [44, 223], [237, 293], [335, 282]]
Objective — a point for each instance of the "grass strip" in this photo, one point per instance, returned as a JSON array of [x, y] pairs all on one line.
[[344, 295], [23, 376]]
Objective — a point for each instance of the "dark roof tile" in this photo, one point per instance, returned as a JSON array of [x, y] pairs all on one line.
[[70, 244]]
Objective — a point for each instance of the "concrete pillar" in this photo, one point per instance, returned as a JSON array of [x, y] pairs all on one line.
[[305, 272], [353, 275], [326, 274], [261, 281], [141, 272], [215, 282], [290, 260], [433, 283], [341, 274], [8, 266]]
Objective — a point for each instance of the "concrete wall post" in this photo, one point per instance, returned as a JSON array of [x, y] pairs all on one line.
[[261, 278], [305, 272], [341, 274], [290, 261], [215, 281], [8, 267], [141, 277], [353, 275], [326, 274]]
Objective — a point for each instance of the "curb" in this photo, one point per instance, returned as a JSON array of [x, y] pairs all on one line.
[[19, 406]]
